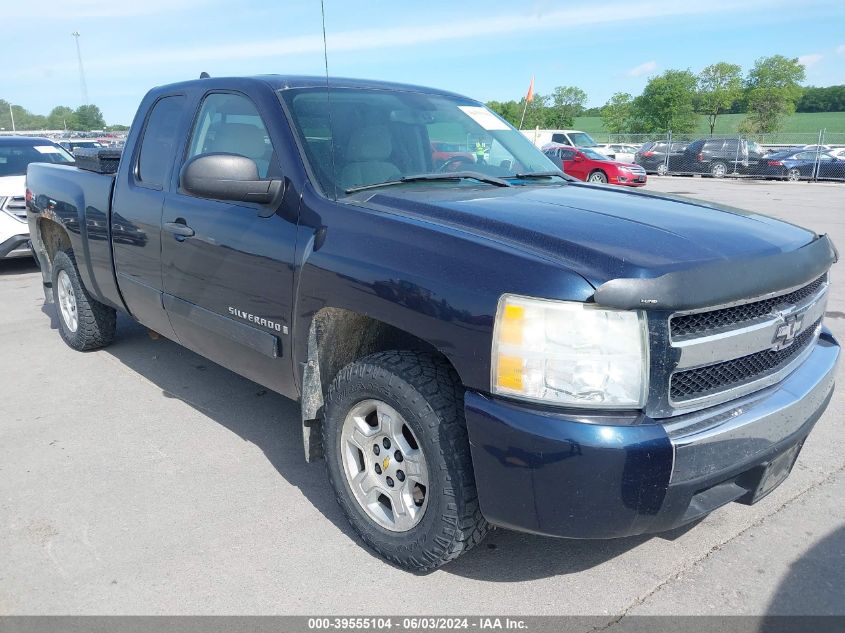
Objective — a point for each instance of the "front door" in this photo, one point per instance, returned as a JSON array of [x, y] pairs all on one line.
[[574, 164], [228, 266]]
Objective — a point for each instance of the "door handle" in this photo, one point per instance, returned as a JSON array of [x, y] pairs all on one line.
[[179, 229]]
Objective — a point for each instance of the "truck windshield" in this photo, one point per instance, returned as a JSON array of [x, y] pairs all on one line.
[[355, 137], [14, 157]]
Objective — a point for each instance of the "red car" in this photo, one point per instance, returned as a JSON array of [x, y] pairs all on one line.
[[587, 164], [442, 153]]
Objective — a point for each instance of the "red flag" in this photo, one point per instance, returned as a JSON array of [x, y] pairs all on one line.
[[530, 96]]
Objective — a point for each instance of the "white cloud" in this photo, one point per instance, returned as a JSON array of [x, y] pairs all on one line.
[[841, 49], [643, 69], [810, 60], [411, 33]]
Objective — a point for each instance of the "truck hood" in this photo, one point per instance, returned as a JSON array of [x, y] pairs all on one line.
[[598, 232], [12, 186]]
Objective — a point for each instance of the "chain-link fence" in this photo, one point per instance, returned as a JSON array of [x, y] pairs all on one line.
[[778, 156]]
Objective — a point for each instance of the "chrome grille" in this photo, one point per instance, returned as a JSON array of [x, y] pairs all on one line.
[[704, 381], [687, 324], [733, 350]]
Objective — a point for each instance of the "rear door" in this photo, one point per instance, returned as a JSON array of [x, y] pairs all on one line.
[[136, 212], [228, 285]]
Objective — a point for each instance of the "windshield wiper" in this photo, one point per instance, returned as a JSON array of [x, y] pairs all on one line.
[[540, 174], [453, 175]]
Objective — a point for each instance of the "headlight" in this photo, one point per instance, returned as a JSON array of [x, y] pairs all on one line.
[[570, 353]]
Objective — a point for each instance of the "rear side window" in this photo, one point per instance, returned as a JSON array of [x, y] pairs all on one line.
[[159, 143], [567, 154], [560, 138]]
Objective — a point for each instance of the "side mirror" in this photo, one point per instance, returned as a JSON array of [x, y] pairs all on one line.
[[227, 177]]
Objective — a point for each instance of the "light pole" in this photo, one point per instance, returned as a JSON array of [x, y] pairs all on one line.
[[82, 83], [12, 114]]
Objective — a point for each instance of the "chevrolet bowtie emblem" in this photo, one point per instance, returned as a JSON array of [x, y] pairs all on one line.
[[787, 330], [385, 463]]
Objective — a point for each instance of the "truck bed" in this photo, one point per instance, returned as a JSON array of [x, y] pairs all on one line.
[[81, 201]]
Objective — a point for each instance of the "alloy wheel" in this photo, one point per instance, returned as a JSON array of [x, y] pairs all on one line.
[[384, 465], [67, 301]]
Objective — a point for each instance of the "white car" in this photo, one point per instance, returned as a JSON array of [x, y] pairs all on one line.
[[622, 152], [837, 152], [16, 152], [822, 148], [573, 138]]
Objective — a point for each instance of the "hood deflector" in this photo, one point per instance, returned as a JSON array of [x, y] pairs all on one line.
[[721, 282]]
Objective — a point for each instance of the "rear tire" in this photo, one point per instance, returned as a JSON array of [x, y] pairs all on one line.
[[662, 170], [84, 323], [598, 177], [718, 169], [415, 405], [793, 175]]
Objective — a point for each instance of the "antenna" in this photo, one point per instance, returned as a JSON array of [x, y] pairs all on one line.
[[82, 83], [328, 93]]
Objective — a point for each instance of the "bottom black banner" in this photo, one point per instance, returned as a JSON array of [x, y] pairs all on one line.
[[409, 624]]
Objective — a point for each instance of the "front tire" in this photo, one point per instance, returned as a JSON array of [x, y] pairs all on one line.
[[598, 177], [84, 323], [398, 458]]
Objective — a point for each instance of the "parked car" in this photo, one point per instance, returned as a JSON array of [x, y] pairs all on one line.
[[502, 345], [823, 148], [16, 153], [719, 157], [617, 151], [803, 165], [588, 165], [652, 157], [453, 153], [71, 144], [573, 138]]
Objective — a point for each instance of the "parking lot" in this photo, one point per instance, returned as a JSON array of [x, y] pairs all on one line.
[[143, 479]]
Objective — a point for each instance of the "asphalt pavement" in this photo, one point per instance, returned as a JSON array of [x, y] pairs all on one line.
[[144, 479]]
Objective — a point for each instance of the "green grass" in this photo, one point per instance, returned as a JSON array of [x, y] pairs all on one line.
[[802, 122]]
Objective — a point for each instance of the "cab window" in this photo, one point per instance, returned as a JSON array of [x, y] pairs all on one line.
[[159, 143], [230, 124]]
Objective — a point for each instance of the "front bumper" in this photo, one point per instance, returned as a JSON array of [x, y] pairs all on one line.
[[629, 181], [16, 246], [613, 474]]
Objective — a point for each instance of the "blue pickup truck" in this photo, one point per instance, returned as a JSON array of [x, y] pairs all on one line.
[[475, 339]]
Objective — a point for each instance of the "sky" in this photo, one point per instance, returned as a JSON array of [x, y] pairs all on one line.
[[484, 49]]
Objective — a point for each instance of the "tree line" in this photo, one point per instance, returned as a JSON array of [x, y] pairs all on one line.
[[673, 100], [82, 119]]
